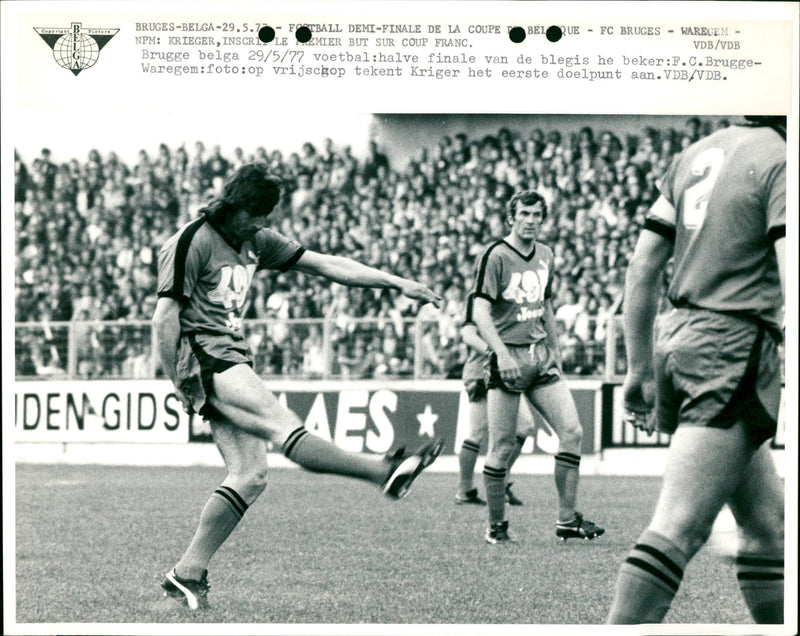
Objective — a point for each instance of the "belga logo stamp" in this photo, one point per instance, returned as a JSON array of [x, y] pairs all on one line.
[[76, 48]]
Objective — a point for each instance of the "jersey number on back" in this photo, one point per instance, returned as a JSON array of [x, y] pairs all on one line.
[[695, 200]]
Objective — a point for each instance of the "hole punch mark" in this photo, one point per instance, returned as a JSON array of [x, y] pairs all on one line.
[[303, 34], [266, 34], [516, 34], [554, 33]]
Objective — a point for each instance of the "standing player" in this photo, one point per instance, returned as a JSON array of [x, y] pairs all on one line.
[[715, 378], [205, 270], [474, 376], [513, 312]]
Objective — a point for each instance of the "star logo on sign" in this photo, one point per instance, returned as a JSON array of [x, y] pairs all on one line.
[[426, 421]]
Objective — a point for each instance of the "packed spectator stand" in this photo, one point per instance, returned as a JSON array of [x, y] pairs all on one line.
[[87, 235]]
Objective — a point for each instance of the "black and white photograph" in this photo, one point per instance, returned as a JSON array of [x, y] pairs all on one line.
[[400, 318]]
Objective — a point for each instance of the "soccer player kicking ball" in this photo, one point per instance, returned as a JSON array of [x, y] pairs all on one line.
[[514, 315], [714, 379], [474, 379], [205, 271]]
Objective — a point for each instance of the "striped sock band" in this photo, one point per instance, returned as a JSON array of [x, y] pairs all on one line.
[[294, 437], [760, 579], [221, 514], [469, 445], [322, 456], [233, 499], [758, 568], [495, 473], [647, 581], [657, 564], [568, 459]]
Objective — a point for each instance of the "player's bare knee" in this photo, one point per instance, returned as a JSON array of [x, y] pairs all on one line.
[[500, 452], [280, 422], [252, 481], [696, 534], [764, 532], [760, 544], [686, 528], [701, 534], [258, 480], [503, 452], [571, 438]]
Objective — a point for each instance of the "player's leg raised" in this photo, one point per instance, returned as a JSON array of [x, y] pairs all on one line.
[[241, 396]]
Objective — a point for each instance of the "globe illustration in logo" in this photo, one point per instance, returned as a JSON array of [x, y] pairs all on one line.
[[76, 51]]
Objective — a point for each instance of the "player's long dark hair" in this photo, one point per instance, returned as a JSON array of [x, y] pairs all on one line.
[[251, 188]]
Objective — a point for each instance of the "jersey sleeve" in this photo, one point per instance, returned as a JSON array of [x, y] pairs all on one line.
[[666, 185], [468, 318], [180, 263], [775, 203], [275, 251], [661, 219], [487, 283], [550, 262]]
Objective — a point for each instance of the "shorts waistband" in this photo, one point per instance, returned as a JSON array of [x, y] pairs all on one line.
[[196, 332], [771, 330]]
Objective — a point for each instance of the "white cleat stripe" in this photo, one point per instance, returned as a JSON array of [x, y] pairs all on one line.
[[406, 468], [191, 599]]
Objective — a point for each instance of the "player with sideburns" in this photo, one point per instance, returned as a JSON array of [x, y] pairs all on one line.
[[205, 271], [514, 314]]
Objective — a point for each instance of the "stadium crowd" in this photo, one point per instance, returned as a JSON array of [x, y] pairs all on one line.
[[88, 233]]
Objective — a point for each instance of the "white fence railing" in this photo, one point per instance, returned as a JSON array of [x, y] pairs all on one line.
[[337, 347]]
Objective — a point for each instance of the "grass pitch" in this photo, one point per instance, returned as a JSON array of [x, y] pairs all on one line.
[[92, 543]]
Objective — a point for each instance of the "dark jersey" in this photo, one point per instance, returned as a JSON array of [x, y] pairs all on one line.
[[729, 194], [517, 286], [210, 278]]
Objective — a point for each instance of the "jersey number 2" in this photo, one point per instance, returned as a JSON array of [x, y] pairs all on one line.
[[695, 200]]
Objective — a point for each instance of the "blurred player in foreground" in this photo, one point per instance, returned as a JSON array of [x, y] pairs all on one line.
[[205, 271], [474, 376], [514, 315], [714, 380]]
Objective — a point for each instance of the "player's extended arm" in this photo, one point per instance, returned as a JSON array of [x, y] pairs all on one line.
[[166, 324], [506, 365], [354, 274]]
